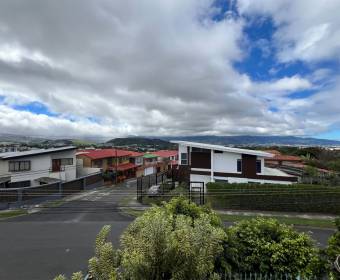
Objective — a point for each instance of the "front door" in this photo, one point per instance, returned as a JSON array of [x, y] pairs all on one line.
[[56, 164]]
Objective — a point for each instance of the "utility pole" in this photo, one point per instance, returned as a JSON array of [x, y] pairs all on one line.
[[116, 160]]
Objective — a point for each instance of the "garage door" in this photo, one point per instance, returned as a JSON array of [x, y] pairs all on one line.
[[148, 171]]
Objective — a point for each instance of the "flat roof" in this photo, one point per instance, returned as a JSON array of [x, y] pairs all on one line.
[[149, 155], [12, 155], [223, 148]]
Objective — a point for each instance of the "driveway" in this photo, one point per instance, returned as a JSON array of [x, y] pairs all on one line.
[[60, 240]]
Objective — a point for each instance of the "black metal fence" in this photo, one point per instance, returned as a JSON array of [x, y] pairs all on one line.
[[145, 183], [18, 196], [163, 186]]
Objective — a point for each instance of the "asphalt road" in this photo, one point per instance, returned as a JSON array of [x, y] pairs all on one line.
[[61, 239]]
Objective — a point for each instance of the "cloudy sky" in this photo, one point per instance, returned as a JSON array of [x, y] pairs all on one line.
[[171, 67]]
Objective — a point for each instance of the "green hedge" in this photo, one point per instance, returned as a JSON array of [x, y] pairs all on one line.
[[272, 197]]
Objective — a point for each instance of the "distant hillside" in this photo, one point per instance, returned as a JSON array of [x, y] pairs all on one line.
[[142, 142], [13, 138], [257, 140]]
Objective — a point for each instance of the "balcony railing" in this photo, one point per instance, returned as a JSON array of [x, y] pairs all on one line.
[[57, 169]]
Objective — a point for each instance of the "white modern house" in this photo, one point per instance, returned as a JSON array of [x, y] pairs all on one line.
[[211, 163], [36, 167]]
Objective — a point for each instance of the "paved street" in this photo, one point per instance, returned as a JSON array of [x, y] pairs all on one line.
[[60, 240]]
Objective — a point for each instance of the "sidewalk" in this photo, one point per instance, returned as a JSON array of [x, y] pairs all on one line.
[[310, 216], [137, 206]]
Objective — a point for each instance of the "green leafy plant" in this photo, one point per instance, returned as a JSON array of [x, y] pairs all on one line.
[[176, 241], [103, 266], [333, 251], [76, 276], [266, 246]]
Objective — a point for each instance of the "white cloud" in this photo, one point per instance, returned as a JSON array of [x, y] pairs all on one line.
[[145, 68], [307, 30]]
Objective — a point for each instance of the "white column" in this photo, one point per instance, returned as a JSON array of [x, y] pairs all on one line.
[[212, 166]]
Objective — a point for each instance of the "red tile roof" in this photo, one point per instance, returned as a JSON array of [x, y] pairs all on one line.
[[104, 153], [274, 152], [126, 166], [284, 158], [135, 154], [166, 153]]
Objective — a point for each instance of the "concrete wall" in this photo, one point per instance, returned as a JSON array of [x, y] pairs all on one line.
[[86, 171], [19, 196]]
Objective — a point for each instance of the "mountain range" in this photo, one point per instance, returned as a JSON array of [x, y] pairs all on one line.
[[242, 140], [248, 140]]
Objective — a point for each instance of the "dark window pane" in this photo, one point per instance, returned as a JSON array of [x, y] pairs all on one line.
[[258, 166], [239, 165]]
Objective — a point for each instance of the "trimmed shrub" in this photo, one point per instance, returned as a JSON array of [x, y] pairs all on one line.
[[274, 197]]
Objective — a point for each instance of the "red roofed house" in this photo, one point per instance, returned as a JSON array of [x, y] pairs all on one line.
[[169, 158], [109, 160], [137, 159], [280, 160]]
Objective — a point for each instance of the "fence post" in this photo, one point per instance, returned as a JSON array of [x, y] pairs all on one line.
[[84, 183], [60, 189], [202, 189], [19, 196]]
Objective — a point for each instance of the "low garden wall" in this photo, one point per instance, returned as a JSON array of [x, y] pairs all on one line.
[[18, 196], [271, 197]]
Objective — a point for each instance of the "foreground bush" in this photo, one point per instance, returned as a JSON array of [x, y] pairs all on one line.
[[177, 241], [180, 240], [332, 251], [266, 246]]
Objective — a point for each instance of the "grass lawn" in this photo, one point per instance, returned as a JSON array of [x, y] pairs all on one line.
[[12, 213], [319, 223], [124, 204], [287, 220]]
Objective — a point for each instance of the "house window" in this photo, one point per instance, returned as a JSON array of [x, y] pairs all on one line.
[[258, 166], [66, 161], [239, 165], [184, 158], [17, 166], [139, 160], [97, 163]]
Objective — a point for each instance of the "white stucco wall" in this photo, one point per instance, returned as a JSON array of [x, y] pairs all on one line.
[[247, 180], [226, 162], [200, 178], [149, 171], [181, 149], [40, 167]]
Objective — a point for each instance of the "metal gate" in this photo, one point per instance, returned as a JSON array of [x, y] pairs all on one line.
[[196, 192], [145, 182]]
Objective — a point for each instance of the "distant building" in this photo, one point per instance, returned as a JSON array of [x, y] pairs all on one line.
[[109, 160], [279, 160], [137, 159], [168, 158], [151, 164], [36, 167], [210, 163]]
